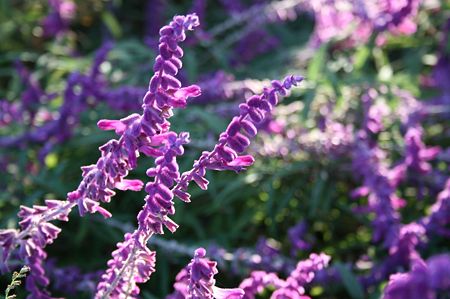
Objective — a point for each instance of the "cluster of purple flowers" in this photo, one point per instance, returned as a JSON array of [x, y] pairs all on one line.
[[196, 281], [133, 262], [355, 21]]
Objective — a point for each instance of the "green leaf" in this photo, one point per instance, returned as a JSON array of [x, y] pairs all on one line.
[[351, 284], [112, 24], [317, 64]]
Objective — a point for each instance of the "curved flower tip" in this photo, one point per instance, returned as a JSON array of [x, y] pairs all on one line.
[[243, 161], [190, 91], [179, 99], [107, 124], [235, 293], [134, 185]]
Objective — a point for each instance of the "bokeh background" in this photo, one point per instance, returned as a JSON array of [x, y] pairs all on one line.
[[373, 111]]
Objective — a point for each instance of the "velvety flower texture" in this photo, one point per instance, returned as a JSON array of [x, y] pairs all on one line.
[[118, 157], [437, 222], [200, 280], [412, 285], [196, 281]]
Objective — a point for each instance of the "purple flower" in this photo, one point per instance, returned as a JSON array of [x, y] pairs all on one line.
[[439, 272], [235, 140], [412, 285], [196, 281], [151, 134], [258, 282], [424, 281], [373, 112], [379, 185], [293, 286], [58, 20], [438, 220], [57, 127], [201, 279], [303, 274], [355, 21], [417, 154], [296, 237]]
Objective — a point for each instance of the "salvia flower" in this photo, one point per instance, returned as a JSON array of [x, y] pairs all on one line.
[[196, 281], [201, 279], [258, 281], [355, 21], [226, 155], [426, 280], [118, 158], [156, 140], [437, 222], [412, 285], [379, 185], [303, 274], [290, 288], [417, 154], [58, 20], [296, 237]]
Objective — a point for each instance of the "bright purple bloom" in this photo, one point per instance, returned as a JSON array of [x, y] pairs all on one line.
[[196, 281], [293, 286], [424, 281], [439, 272], [373, 112], [201, 279], [296, 237], [417, 154], [412, 285], [303, 274], [258, 282], [379, 185]]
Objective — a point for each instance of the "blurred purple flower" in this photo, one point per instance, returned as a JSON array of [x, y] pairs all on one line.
[[303, 274], [196, 281], [296, 237], [417, 154], [58, 20], [412, 285]]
